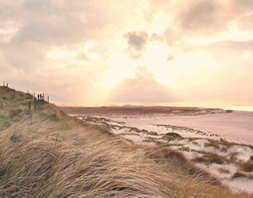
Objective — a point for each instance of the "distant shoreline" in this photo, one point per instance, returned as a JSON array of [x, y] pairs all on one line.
[[144, 110], [234, 108], [246, 108]]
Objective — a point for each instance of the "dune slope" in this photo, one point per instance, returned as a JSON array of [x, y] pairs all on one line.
[[46, 153]]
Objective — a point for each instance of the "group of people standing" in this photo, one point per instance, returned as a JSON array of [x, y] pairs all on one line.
[[40, 96]]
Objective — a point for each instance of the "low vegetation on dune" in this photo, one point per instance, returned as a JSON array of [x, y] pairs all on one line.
[[46, 153]]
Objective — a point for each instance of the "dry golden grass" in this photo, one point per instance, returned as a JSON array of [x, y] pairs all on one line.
[[46, 153]]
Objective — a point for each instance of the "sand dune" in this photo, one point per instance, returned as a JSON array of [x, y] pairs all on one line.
[[149, 128]]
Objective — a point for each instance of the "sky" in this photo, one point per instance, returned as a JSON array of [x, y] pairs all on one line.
[[117, 52]]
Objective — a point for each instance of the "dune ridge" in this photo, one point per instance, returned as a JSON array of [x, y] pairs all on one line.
[[46, 153]]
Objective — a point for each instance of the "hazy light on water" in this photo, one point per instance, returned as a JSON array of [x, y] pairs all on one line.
[[242, 108]]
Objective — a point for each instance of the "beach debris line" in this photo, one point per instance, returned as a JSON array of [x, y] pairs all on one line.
[[184, 129]]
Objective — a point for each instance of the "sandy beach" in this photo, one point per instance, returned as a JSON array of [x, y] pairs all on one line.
[[236, 126], [198, 129]]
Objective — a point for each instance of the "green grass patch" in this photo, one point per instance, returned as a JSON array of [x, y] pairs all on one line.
[[201, 160], [196, 143], [4, 125], [15, 114], [226, 143], [247, 166], [152, 133], [209, 158], [233, 156], [52, 117], [239, 174], [224, 149], [212, 144]]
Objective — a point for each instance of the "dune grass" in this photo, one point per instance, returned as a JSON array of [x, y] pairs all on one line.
[[46, 153]]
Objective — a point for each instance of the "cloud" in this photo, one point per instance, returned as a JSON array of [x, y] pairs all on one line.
[[47, 24], [227, 86], [70, 85], [246, 22], [143, 89], [30, 29], [206, 18], [203, 17], [71, 48], [229, 83], [232, 45], [199, 15], [242, 5], [137, 41]]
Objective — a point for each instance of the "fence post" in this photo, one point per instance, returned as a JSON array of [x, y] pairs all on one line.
[[29, 107], [34, 103]]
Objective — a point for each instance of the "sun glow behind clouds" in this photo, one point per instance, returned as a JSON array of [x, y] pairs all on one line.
[[95, 47], [120, 67], [168, 66], [159, 24], [58, 53], [238, 35]]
